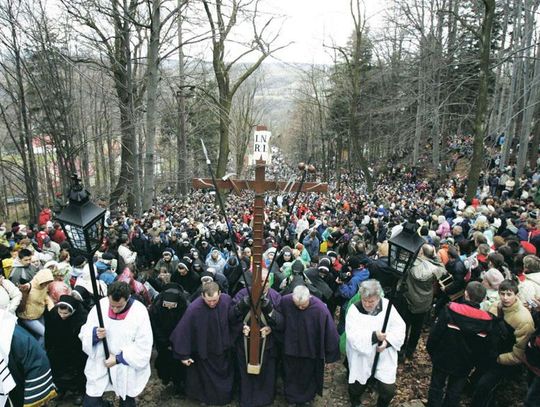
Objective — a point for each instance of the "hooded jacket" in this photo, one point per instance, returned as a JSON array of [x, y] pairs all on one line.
[[459, 340], [38, 297]]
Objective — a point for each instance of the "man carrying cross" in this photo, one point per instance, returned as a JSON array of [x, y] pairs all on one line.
[[260, 186], [257, 390]]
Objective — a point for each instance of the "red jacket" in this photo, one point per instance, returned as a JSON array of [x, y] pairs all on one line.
[[44, 216]]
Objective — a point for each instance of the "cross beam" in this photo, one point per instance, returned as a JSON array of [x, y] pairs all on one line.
[[260, 185]]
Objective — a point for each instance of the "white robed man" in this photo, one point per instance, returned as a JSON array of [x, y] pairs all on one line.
[[363, 325], [129, 336]]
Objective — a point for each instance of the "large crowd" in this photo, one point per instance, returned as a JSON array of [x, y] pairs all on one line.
[[175, 280]]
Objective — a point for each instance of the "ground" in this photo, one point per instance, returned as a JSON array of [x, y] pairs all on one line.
[[412, 388]]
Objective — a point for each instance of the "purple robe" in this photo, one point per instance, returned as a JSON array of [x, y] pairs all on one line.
[[310, 340], [257, 390], [203, 335]]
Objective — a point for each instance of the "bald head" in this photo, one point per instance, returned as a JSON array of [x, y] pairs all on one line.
[[428, 251]]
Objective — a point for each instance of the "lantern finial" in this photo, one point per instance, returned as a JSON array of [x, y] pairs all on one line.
[[77, 192]]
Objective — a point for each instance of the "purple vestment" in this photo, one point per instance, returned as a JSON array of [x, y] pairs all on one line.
[[203, 335], [310, 340]]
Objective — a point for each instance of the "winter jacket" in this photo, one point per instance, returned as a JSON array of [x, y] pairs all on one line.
[[218, 265], [459, 340], [530, 288], [10, 296], [520, 319], [170, 265], [127, 254], [419, 284], [381, 271], [443, 230], [348, 289], [312, 246], [458, 271], [20, 274], [38, 297]]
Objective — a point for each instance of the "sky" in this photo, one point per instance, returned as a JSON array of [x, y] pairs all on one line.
[[311, 26], [313, 23]]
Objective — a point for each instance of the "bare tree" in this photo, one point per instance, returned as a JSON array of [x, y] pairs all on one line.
[[18, 122], [222, 17], [246, 113]]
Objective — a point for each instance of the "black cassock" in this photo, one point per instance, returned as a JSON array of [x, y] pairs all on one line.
[[310, 339], [64, 348], [164, 320], [203, 334]]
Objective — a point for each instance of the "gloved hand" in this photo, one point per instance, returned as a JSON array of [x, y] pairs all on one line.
[[243, 306], [266, 306]]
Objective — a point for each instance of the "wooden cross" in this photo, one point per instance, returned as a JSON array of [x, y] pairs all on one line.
[[260, 186]]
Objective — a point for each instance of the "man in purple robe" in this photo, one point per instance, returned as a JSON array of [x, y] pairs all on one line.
[[310, 340], [202, 341], [257, 390]]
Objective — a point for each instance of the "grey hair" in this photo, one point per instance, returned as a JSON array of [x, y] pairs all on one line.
[[370, 288], [301, 293]]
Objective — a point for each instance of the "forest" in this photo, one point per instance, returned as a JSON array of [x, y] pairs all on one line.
[[120, 92]]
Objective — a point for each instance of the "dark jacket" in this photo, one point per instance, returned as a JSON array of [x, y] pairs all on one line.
[[459, 340], [381, 271], [458, 271]]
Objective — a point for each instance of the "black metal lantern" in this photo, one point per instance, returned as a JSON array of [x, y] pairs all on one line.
[[83, 224], [403, 249], [82, 220]]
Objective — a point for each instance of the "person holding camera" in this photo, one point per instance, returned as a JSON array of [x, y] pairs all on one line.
[[349, 279]]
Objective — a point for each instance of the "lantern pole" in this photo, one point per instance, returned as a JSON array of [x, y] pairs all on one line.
[[99, 313], [410, 228]]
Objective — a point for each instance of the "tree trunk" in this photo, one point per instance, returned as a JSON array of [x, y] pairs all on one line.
[[124, 89], [514, 86], [181, 136], [530, 91], [419, 123], [151, 96], [480, 124], [29, 159]]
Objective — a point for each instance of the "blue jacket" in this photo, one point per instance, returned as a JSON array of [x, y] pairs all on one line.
[[349, 289], [312, 246]]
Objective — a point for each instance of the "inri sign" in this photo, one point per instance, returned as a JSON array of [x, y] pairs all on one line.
[[261, 145]]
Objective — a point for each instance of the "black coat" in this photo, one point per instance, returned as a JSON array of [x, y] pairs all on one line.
[[64, 348], [458, 271], [381, 271], [460, 339]]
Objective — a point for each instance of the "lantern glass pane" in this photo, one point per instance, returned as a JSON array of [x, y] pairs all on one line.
[[399, 258], [95, 234], [76, 237]]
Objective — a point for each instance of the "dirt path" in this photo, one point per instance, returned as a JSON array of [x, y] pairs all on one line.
[[412, 388]]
